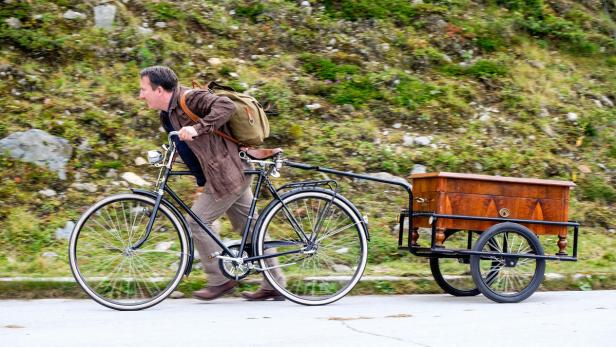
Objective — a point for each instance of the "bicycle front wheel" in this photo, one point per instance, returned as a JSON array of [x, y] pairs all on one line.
[[107, 265], [322, 245]]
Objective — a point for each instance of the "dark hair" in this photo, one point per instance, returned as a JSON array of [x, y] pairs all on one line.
[[160, 76]]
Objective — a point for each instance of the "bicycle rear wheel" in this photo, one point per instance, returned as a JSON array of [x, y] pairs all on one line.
[[322, 242], [107, 267]]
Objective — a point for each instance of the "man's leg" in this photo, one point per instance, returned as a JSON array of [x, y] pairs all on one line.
[[209, 210], [238, 214]]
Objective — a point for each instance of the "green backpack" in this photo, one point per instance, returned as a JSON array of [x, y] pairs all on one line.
[[249, 124]]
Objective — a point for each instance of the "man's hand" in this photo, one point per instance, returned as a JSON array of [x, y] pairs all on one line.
[[187, 133]]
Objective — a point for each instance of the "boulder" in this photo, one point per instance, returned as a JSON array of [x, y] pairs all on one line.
[[72, 15], [12, 22], [133, 178], [104, 16], [48, 193], [65, 233], [418, 168], [39, 147]]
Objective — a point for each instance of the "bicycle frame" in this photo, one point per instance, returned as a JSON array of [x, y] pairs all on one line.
[[262, 175]]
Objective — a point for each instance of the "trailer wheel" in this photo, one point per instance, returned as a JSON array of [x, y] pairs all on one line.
[[453, 274], [507, 278]]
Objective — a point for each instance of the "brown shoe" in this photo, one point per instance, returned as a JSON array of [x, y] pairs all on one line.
[[262, 294], [214, 292]]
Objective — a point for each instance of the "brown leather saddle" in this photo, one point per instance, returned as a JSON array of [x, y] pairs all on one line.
[[260, 154]]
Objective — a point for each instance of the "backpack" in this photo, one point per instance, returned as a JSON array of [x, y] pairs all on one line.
[[249, 124]]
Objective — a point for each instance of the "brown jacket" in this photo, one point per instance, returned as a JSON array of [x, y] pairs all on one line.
[[217, 156]]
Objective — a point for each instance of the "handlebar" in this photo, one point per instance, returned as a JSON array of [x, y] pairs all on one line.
[[173, 133]]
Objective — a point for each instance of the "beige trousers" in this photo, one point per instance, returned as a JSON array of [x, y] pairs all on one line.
[[209, 210]]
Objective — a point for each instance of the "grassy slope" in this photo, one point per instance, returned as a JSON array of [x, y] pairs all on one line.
[[532, 61]]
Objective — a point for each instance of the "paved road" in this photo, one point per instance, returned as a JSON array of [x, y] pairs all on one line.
[[545, 319]]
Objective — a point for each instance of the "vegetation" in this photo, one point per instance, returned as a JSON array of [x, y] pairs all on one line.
[[503, 87]]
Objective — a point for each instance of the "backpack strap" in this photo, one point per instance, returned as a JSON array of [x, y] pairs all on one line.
[[195, 118]]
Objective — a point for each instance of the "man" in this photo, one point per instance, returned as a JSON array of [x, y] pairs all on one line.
[[217, 164]]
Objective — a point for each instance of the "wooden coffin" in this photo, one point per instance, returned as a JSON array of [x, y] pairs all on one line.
[[490, 196]]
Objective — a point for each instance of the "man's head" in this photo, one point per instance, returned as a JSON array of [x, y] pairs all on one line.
[[157, 86]]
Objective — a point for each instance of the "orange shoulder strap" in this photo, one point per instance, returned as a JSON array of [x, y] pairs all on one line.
[[185, 108]]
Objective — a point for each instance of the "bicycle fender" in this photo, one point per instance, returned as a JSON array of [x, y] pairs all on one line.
[[191, 245]]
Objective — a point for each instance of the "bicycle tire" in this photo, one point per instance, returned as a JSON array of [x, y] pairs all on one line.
[[102, 237], [335, 264]]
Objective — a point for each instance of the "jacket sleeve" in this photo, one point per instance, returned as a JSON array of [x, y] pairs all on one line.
[[213, 110]]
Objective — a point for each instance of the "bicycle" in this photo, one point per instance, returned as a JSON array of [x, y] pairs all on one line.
[[130, 251]]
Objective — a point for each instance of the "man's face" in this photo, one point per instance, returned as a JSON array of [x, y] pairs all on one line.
[[152, 96]]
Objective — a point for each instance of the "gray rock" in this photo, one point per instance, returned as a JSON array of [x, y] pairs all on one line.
[[214, 61], [485, 117], [65, 233], [104, 15], [407, 140], [418, 169], [606, 101], [548, 130], [134, 179], [341, 268], [84, 146], [305, 4], [313, 107], [572, 116], [544, 112], [388, 176], [537, 64], [177, 295], [597, 103], [50, 255], [348, 108], [70, 14], [140, 161], [441, 24], [163, 246], [112, 173], [161, 25], [48, 193], [423, 140], [85, 187], [554, 276], [144, 31], [12, 22], [38, 147], [397, 126]]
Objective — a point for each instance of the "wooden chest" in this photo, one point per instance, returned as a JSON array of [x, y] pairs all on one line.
[[490, 196]]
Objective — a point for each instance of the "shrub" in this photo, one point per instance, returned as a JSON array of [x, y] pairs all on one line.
[[251, 11], [357, 92], [594, 188], [481, 68], [165, 10], [412, 92], [401, 10], [325, 68], [22, 232]]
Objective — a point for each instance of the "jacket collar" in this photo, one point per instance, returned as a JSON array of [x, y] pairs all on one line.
[[175, 98]]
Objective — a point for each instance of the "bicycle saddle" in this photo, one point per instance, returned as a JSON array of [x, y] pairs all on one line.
[[260, 154]]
